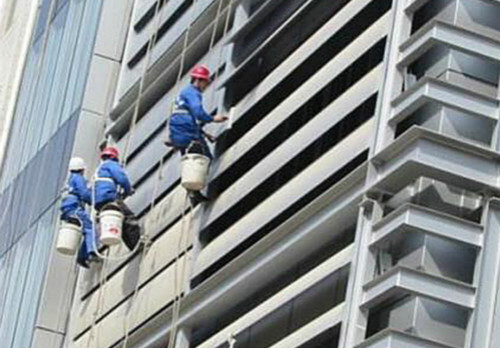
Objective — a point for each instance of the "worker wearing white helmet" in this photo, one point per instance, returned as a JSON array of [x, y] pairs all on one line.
[[76, 195]]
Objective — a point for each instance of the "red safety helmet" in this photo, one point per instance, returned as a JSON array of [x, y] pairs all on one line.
[[111, 152], [200, 72]]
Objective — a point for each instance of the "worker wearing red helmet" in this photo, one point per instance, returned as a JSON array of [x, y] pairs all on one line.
[[109, 180], [188, 118], [189, 115]]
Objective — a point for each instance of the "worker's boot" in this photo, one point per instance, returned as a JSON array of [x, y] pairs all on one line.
[[93, 257], [131, 232], [197, 197]]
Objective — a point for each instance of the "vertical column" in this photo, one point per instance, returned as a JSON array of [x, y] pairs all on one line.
[[487, 307], [393, 79], [496, 133], [362, 268]]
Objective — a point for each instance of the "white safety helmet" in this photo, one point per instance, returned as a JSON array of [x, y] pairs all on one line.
[[76, 164]]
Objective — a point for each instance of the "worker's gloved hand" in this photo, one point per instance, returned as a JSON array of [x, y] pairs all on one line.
[[220, 118]]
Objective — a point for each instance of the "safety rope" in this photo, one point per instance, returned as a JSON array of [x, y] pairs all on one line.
[[221, 49], [177, 299], [147, 61], [179, 281], [68, 288], [231, 341], [145, 250], [178, 287], [145, 244], [100, 300]]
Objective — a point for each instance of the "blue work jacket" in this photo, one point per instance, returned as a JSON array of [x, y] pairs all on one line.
[[188, 118], [110, 176], [77, 193]]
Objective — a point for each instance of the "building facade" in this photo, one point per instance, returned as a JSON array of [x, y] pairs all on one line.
[[354, 189]]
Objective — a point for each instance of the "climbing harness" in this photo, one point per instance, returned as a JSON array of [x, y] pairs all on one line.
[[147, 61]]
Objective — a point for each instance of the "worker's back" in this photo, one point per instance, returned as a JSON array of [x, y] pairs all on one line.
[[109, 177], [76, 194]]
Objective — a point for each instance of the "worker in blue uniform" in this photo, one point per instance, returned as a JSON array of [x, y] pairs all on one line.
[[111, 187], [75, 196], [189, 117]]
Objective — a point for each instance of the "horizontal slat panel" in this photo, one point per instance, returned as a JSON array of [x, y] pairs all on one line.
[[301, 285], [333, 160]]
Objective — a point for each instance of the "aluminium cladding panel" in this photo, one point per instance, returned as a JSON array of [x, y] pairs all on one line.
[[266, 260], [389, 338], [151, 298], [265, 308], [313, 329], [329, 117], [401, 281], [111, 329], [156, 116], [430, 89], [410, 217], [44, 339], [299, 56], [293, 102], [159, 292], [165, 213], [129, 77], [485, 320], [436, 32], [322, 168], [420, 152], [122, 284], [112, 32]]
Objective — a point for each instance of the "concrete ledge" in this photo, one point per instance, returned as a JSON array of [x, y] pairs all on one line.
[[411, 217], [400, 281], [430, 89], [389, 338], [422, 152]]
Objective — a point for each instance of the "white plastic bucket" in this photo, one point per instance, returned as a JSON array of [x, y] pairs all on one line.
[[68, 240], [194, 171], [111, 222]]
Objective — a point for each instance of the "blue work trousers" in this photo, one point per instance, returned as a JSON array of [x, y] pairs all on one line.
[[89, 233]]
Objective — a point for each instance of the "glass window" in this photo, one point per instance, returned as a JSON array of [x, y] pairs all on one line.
[[45, 89], [41, 21], [5, 204], [75, 24], [83, 54], [20, 257], [21, 119], [3, 281], [41, 235], [63, 68]]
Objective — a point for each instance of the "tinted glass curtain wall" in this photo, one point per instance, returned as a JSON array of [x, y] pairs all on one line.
[[38, 151]]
